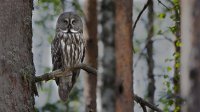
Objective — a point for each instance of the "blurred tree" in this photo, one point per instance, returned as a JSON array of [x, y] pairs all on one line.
[[16, 60], [91, 54], [124, 56], [150, 62], [190, 59], [106, 79]]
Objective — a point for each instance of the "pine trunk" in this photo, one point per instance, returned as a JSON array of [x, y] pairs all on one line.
[[91, 54], [16, 60], [190, 59], [124, 56]]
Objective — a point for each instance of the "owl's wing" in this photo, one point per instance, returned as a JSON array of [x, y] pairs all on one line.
[[56, 55], [83, 54]]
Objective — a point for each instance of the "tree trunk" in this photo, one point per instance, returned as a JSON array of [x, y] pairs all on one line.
[[190, 59], [16, 60], [91, 54], [124, 56], [106, 77], [150, 61]]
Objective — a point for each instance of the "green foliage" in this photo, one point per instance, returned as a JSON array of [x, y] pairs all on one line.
[[169, 68], [178, 43], [169, 98], [173, 29]]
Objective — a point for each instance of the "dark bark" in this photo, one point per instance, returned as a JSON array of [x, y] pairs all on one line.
[[190, 59], [150, 60], [16, 60], [91, 54], [124, 56], [106, 79]]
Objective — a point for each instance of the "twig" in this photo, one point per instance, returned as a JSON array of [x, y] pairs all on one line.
[[163, 5], [143, 9], [142, 102], [146, 44], [60, 72], [140, 54], [140, 14]]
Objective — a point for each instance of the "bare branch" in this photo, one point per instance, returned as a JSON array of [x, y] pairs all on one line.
[[146, 44], [163, 4], [140, 14], [143, 103], [63, 72]]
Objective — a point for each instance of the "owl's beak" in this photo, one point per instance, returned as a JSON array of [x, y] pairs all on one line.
[[71, 30]]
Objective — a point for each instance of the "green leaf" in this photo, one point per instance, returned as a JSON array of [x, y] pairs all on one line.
[[173, 29], [162, 15], [169, 69], [177, 65], [178, 43], [177, 55], [177, 109]]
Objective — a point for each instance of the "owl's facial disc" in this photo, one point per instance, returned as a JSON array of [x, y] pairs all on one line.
[[71, 26]]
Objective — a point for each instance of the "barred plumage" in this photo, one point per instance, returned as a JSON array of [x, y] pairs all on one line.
[[67, 50]]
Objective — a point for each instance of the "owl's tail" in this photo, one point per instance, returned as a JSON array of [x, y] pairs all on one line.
[[66, 84]]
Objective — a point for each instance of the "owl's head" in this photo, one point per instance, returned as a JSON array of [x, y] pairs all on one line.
[[69, 22]]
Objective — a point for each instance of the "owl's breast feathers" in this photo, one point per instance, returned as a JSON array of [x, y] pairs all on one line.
[[67, 49]]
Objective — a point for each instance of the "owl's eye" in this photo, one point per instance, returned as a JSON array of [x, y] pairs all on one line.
[[73, 22], [66, 21]]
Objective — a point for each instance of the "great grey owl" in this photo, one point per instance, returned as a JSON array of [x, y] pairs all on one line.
[[67, 50]]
